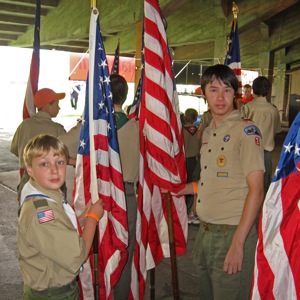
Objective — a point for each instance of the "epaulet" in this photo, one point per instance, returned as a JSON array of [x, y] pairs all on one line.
[[40, 202], [247, 120]]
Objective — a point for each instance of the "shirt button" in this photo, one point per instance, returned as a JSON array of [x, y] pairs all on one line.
[[214, 134], [201, 183], [222, 148], [209, 150], [205, 167]]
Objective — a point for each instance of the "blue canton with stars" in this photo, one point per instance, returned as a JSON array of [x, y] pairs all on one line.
[[290, 154], [102, 100]]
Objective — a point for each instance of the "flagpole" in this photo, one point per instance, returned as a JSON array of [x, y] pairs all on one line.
[[94, 190], [172, 246]]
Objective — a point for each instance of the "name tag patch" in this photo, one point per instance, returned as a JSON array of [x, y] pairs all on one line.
[[222, 174]]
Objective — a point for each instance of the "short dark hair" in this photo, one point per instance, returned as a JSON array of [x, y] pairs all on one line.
[[221, 73], [119, 88], [261, 86]]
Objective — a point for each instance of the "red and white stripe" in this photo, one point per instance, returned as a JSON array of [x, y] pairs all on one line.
[[162, 163]]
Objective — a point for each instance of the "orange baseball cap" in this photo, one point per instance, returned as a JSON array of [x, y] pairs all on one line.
[[45, 96]]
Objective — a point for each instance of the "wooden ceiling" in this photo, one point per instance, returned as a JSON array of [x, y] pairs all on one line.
[[194, 26]]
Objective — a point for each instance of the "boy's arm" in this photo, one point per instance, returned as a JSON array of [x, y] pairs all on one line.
[[234, 258]]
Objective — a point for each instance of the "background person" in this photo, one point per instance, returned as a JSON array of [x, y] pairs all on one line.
[[266, 116], [192, 151], [46, 101], [129, 147]]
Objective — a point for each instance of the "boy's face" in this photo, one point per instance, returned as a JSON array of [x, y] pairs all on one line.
[[220, 98], [48, 171]]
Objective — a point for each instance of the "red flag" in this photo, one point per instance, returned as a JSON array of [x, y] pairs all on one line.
[[233, 57], [98, 174], [32, 84], [277, 263], [162, 158]]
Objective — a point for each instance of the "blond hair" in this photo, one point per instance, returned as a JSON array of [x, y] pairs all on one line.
[[42, 144]]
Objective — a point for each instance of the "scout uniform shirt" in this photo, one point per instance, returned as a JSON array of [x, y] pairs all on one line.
[[40, 123], [229, 154], [266, 117], [50, 250], [128, 139], [191, 142]]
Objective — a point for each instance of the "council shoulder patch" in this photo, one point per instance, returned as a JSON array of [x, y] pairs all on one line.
[[45, 216], [252, 130], [40, 203]]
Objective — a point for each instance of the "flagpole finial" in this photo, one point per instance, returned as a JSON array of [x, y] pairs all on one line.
[[93, 3], [235, 10]]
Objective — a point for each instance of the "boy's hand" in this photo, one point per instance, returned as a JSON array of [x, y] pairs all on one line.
[[97, 208]]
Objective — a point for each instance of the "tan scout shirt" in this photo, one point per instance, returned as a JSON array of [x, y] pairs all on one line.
[[229, 154], [71, 140], [191, 142], [51, 251], [40, 123], [128, 139], [266, 118]]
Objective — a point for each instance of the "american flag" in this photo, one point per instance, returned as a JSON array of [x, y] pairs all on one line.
[[33, 80], [233, 57], [116, 62], [45, 216], [98, 172], [277, 263], [135, 106], [162, 161], [134, 109]]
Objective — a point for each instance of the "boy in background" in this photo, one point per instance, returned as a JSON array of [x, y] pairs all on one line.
[[192, 149]]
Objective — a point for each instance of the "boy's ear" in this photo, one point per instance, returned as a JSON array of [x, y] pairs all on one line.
[[29, 170]]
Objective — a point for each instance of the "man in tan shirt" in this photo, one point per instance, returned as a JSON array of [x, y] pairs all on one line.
[[266, 117]]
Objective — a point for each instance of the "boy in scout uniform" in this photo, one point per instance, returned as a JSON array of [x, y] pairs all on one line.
[[46, 101], [50, 250], [128, 140], [229, 193], [266, 117]]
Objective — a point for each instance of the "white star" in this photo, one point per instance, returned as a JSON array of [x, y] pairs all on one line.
[[103, 64], [276, 171], [101, 104], [110, 95], [100, 48], [297, 150], [288, 147], [108, 127], [107, 80], [101, 78], [82, 143]]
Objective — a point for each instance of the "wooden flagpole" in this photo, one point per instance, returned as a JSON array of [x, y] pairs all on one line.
[[94, 194], [172, 246]]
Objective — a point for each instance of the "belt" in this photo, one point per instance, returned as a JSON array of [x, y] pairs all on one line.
[[217, 227], [57, 291]]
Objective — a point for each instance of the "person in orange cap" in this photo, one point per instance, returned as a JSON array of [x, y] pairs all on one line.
[[46, 101]]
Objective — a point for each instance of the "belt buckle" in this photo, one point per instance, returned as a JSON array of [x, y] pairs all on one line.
[[205, 226]]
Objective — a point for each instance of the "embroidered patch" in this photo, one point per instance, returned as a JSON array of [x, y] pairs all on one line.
[[222, 174], [221, 160], [191, 129], [257, 140], [226, 138], [252, 130], [40, 203], [45, 216]]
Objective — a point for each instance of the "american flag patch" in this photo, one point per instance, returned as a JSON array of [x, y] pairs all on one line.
[[45, 216]]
